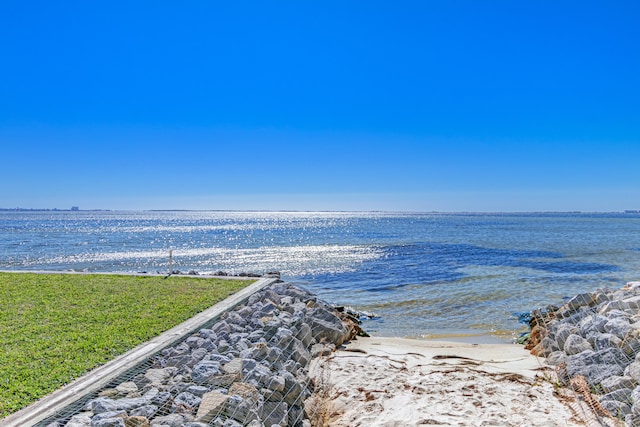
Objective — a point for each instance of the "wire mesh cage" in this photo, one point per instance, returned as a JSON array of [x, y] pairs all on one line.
[[593, 341], [247, 367]]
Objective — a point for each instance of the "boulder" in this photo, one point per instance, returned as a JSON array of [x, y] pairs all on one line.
[[205, 370], [575, 344], [326, 326], [146, 411], [127, 387], [617, 382], [619, 327], [185, 402], [275, 413], [212, 404], [172, 420]]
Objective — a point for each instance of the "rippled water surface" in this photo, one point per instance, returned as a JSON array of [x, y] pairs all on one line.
[[425, 275]]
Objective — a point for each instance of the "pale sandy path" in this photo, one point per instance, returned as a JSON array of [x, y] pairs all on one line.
[[400, 382]]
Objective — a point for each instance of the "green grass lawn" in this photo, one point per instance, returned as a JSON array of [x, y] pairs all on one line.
[[56, 327]]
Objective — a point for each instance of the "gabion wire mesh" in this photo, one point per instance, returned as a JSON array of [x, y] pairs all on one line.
[[248, 367], [593, 341]]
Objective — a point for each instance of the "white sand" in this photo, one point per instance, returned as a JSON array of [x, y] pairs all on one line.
[[401, 382]]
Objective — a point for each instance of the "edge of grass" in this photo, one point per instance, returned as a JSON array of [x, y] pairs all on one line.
[[55, 328]]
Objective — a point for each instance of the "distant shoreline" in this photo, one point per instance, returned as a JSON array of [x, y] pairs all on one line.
[[74, 209]]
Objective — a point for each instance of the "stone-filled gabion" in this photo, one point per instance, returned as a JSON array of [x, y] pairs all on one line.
[[248, 369], [596, 335]]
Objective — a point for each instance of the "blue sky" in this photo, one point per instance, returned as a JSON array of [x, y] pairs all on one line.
[[423, 106]]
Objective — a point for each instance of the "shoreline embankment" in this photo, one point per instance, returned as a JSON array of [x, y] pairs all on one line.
[[285, 357]]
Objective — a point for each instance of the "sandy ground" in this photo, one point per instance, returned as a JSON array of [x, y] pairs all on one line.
[[401, 382]]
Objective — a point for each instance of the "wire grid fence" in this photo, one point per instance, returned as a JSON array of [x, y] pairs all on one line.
[[593, 342], [248, 367]]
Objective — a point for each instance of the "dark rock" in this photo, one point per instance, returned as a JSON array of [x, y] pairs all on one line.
[[108, 422], [147, 411], [275, 414], [616, 408], [616, 383], [186, 402], [172, 420], [205, 370], [326, 326], [575, 344]]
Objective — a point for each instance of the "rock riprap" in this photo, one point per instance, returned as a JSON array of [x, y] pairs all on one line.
[[247, 369], [594, 339]]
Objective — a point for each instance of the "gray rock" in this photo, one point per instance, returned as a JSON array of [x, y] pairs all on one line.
[[271, 395], [260, 374], [159, 376], [296, 415], [197, 355], [209, 345], [127, 387], [212, 405], [186, 402], [145, 411], [326, 326], [182, 348], [632, 419], [207, 334], [236, 319], [161, 398], [617, 382], [105, 404], [275, 414], [618, 326], [633, 371], [292, 388], [256, 336], [80, 420], [243, 410], [562, 332], [225, 422], [276, 383], [594, 366], [177, 361], [623, 395], [609, 306], [205, 370], [257, 352], [318, 350], [605, 341], [195, 341], [219, 358], [295, 350], [108, 422], [632, 303], [221, 328], [547, 346], [274, 354], [580, 300], [197, 390], [617, 409], [575, 344], [172, 420]]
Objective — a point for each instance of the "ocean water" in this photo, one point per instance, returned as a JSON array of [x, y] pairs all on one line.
[[423, 275]]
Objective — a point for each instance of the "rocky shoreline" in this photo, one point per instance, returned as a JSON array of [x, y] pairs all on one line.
[[593, 340], [250, 368]]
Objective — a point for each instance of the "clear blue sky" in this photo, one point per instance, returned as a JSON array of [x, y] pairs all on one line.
[[356, 105]]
